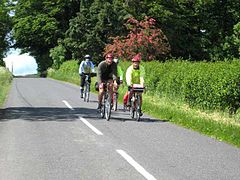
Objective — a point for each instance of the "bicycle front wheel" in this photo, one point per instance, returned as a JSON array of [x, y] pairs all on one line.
[[102, 108], [138, 108], [108, 107]]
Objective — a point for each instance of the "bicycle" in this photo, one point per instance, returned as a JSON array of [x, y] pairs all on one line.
[[86, 92], [135, 101], [105, 110]]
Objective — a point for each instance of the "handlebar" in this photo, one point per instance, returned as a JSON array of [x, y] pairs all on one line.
[[90, 74], [137, 88]]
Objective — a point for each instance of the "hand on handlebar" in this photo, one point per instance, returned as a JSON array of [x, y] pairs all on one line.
[[101, 85], [115, 84]]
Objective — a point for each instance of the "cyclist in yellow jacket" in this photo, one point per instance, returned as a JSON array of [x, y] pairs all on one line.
[[134, 75]]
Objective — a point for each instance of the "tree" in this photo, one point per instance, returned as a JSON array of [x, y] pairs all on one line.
[[231, 46], [143, 38], [39, 24], [90, 30], [218, 19], [5, 28]]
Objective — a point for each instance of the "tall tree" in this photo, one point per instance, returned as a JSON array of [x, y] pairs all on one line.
[[5, 28], [218, 20], [91, 30], [39, 24]]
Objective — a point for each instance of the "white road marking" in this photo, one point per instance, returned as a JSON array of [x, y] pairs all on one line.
[[137, 166], [91, 126], [67, 104]]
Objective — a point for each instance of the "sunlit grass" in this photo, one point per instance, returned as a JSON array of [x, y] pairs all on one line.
[[5, 83], [213, 124]]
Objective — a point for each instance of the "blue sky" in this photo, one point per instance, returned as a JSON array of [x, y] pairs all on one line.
[[20, 64]]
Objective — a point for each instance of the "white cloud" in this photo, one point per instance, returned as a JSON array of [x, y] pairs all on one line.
[[21, 64]]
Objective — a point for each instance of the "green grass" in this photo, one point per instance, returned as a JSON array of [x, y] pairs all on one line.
[[3, 93], [5, 83], [211, 123]]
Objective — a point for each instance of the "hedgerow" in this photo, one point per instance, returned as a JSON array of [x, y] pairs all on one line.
[[204, 85]]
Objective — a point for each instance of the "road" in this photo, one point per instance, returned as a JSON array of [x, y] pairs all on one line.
[[48, 132]]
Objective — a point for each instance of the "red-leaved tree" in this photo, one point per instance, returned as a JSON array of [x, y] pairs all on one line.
[[144, 37]]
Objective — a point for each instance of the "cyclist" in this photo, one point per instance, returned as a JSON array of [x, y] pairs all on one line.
[[134, 75], [107, 73], [119, 74], [86, 67]]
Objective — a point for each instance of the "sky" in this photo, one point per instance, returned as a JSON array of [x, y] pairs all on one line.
[[20, 64]]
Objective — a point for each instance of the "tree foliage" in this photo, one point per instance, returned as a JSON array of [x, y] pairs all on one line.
[[143, 38], [5, 28], [195, 29], [90, 30], [39, 24]]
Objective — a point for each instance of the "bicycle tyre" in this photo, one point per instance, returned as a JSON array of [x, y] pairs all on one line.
[[115, 101], [132, 108], [102, 109], [87, 92], [138, 108], [84, 94], [108, 107]]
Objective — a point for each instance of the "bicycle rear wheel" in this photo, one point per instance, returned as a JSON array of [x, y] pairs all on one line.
[[87, 92], [115, 101], [108, 107], [132, 108]]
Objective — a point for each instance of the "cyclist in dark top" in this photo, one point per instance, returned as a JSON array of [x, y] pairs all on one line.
[[107, 73]]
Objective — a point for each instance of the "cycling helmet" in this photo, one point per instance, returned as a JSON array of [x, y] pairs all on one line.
[[87, 56], [137, 58], [115, 60]]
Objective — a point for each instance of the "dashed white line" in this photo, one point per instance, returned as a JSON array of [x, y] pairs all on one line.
[[67, 104], [137, 166], [91, 126]]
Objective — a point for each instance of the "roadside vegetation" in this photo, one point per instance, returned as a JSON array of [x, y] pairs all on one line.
[[170, 101], [5, 83]]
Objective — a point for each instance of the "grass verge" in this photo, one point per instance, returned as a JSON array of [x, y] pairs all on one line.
[[3, 93]]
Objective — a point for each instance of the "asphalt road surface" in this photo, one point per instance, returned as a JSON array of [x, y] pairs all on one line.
[[48, 132]]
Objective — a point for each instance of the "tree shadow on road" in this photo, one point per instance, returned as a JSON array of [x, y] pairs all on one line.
[[64, 114], [45, 113]]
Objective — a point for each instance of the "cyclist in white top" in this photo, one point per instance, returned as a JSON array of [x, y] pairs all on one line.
[[86, 67]]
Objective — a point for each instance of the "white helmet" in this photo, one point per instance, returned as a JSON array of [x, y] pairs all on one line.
[[87, 56], [115, 60]]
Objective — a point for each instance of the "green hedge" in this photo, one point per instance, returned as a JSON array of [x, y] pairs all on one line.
[[204, 85]]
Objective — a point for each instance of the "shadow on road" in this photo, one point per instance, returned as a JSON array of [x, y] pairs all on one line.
[[45, 113], [63, 114]]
